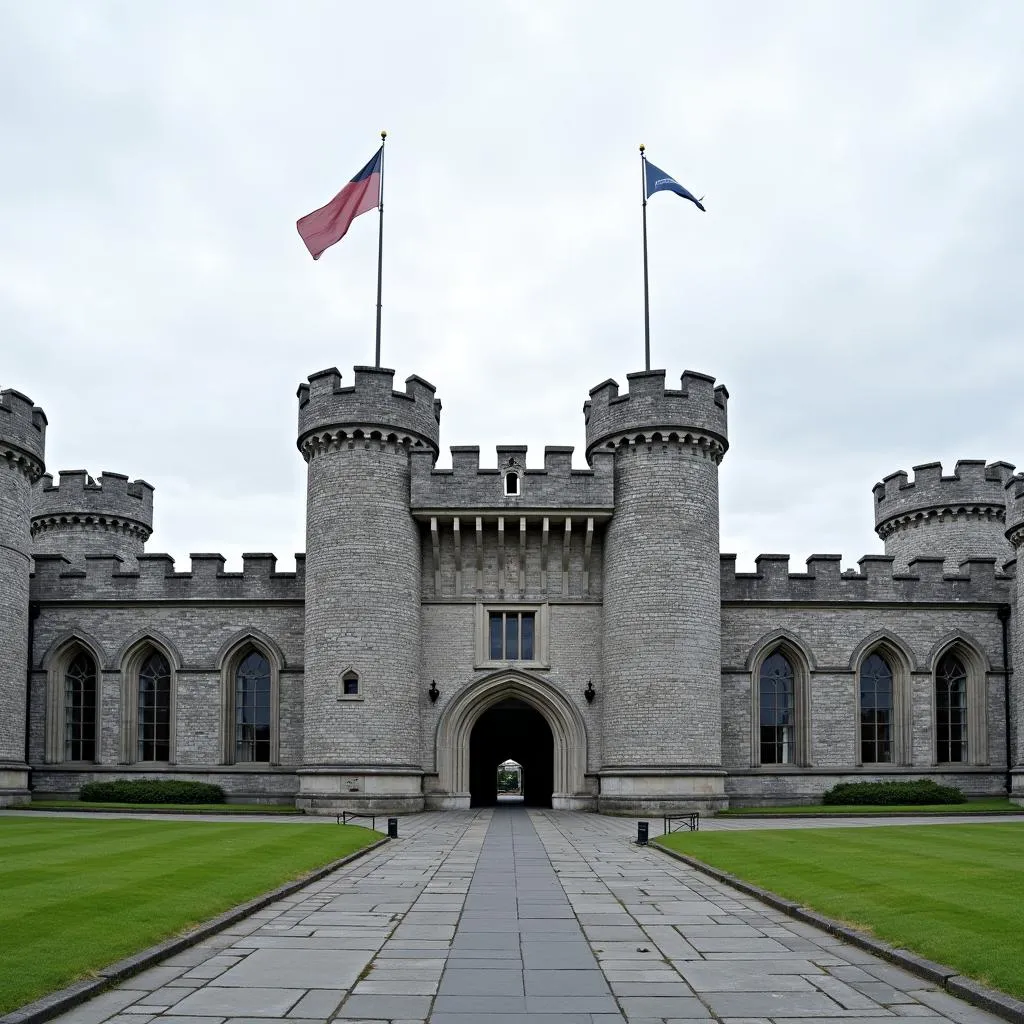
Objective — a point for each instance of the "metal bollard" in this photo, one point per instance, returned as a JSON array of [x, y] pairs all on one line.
[[392, 828], [641, 833]]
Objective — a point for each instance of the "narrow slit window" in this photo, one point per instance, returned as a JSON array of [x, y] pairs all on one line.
[[512, 484], [951, 710]]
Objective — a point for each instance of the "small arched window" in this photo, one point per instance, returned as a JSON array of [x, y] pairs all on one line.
[[876, 710], [777, 706], [350, 684], [80, 708], [950, 710], [154, 709], [512, 484], [252, 708]]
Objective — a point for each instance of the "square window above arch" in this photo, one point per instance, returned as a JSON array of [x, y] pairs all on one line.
[[512, 635]]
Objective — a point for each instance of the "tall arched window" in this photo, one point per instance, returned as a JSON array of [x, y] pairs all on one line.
[[777, 710], [154, 708], [80, 708], [950, 710], [876, 710], [252, 708]]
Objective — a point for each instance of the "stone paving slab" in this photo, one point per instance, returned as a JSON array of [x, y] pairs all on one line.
[[508, 917]]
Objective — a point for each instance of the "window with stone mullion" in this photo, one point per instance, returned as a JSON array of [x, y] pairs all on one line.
[[511, 636], [252, 709], [80, 709], [777, 711], [155, 709], [951, 710], [876, 711]]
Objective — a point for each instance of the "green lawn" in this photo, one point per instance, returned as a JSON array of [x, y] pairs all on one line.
[[86, 805], [953, 893], [987, 805], [78, 894]]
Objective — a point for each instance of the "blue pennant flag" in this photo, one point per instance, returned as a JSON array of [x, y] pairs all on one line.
[[659, 181]]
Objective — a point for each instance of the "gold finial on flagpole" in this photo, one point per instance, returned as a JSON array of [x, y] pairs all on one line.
[[384, 135], [642, 147]]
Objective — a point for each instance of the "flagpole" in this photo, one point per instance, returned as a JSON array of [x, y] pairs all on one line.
[[380, 244], [647, 300]]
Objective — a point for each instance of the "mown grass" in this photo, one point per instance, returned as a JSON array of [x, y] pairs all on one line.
[[953, 893], [986, 805], [93, 805], [78, 894]]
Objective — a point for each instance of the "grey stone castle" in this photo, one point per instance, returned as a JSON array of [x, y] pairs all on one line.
[[580, 622]]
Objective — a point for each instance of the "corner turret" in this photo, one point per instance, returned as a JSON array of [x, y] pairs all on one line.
[[81, 516], [954, 517], [22, 447]]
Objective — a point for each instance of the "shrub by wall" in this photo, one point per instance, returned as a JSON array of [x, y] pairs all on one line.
[[151, 791], [920, 791]]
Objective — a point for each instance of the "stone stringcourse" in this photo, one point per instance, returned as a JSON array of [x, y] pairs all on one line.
[[647, 643]]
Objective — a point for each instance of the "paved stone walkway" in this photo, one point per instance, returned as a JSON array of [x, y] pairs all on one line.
[[506, 917]]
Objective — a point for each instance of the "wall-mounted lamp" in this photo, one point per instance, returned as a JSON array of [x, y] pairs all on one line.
[[433, 693], [590, 693]]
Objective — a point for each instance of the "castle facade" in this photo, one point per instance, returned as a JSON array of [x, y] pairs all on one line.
[[582, 623]]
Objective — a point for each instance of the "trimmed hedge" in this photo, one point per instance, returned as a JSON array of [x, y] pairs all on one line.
[[151, 791], [919, 791]]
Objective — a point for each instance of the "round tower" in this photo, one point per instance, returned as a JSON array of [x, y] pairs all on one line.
[[952, 517], [662, 607], [363, 562], [81, 516], [1014, 492], [22, 446]]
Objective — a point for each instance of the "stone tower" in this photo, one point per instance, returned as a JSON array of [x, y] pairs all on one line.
[[662, 612], [363, 692], [22, 447], [952, 517], [81, 516], [1015, 535]]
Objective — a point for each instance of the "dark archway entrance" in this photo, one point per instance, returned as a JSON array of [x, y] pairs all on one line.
[[511, 729]]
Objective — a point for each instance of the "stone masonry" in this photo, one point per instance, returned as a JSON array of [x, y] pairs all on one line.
[[429, 597]]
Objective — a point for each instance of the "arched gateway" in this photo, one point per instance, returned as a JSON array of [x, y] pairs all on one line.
[[569, 789]]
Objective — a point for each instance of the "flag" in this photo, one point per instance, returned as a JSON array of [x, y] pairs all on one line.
[[322, 228], [659, 181]]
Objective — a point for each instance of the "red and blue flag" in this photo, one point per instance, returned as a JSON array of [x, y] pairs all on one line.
[[322, 228]]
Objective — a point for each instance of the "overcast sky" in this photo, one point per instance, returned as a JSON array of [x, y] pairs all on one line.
[[856, 281]]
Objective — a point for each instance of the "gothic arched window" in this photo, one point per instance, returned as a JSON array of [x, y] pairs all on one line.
[[777, 710], [154, 709], [80, 708], [950, 710], [876, 710], [252, 708]]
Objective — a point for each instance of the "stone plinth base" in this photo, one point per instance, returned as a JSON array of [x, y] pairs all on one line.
[[1017, 786], [14, 784], [667, 790], [361, 789]]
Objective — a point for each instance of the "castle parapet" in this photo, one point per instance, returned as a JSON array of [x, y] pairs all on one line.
[[22, 433], [954, 517], [153, 578], [468, 486], [80, 497], [978, 580], [696, 414], [369, 409]]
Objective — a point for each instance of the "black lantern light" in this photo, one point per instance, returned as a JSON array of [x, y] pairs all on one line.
[[590, 693], [433, 693]]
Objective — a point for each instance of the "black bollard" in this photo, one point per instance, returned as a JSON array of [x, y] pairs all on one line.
[[641, 833], [392, 828]]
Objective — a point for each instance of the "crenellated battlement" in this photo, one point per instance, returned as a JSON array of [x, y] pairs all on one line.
[[974, 489], [979, 581], [695, 414], [330, 414], [105, 578], [22, 433], [1014, 492], [80, 501], [469, 486]]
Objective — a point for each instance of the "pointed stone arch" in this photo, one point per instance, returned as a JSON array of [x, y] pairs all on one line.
[[56, 661], [799, 656], [130, 660], [785, 639], [229, 657], [977, 664], [563, 718], [901, 661]]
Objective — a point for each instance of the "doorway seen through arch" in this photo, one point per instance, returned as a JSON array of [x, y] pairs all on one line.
[[511, 730]]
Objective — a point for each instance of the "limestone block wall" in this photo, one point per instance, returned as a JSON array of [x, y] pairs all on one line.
[[198, 638], [450, 659]]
